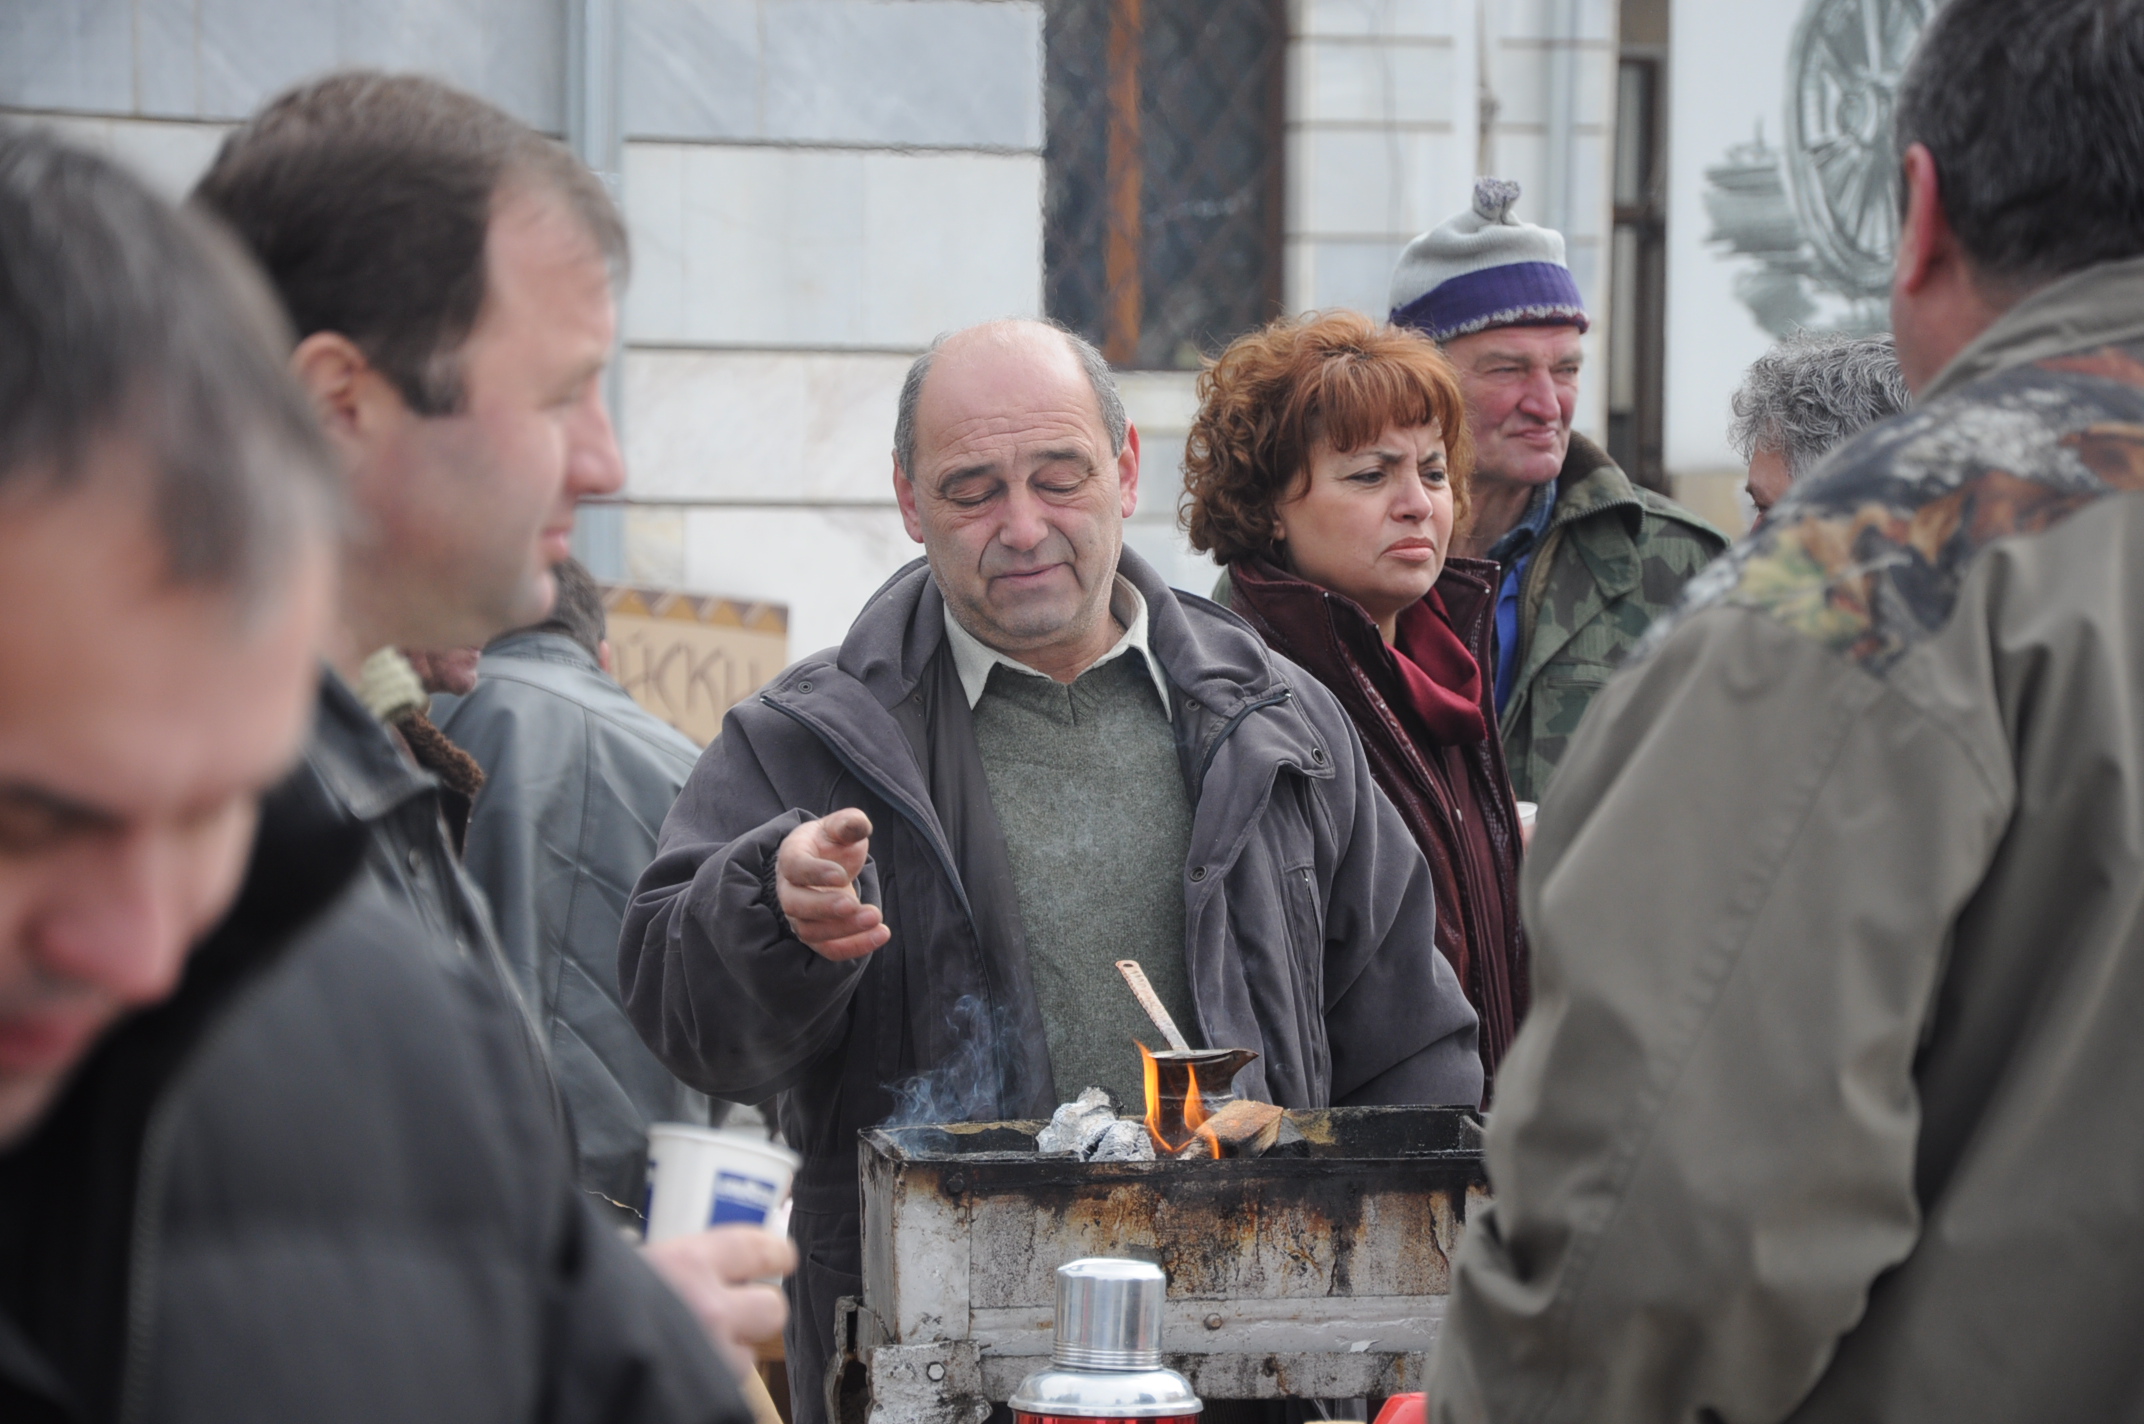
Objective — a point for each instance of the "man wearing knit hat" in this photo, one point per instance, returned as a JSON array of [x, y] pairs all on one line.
[[1589, 558]]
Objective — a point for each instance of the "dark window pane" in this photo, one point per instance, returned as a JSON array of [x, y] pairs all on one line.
[[1163, 221]]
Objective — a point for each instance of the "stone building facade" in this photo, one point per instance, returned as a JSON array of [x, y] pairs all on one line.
[[816, 188]]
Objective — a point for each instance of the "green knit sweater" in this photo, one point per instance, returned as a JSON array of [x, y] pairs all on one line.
[[1090, 795]]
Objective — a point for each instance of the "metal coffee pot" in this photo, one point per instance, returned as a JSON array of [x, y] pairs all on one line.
[[1213, 1069]]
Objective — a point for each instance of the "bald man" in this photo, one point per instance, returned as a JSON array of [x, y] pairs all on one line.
[[898, 883]]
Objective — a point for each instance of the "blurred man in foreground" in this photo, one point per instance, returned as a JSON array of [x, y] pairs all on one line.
[[1805, 398], [1828, 1106], [914, 860], [259, 1158], [451, 274], [577, 779]]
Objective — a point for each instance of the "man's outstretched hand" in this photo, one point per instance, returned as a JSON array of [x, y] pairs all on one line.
[[815, 875]]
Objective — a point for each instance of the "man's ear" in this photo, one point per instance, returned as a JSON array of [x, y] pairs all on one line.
[[349, 397], [1939, 301], [904, 493], [1925, 241], [1128, 472]]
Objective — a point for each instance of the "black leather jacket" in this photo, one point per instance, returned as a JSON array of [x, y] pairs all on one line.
[[365, 776]]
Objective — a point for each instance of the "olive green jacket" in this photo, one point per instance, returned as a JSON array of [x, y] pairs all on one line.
[[1828, 1105], [1615, 558]]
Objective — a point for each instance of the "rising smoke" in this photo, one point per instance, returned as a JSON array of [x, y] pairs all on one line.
[[969, 1085]]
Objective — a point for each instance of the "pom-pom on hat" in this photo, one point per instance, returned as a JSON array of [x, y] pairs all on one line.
[[1483, 269]]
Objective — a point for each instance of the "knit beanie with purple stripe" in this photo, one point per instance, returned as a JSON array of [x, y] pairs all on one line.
[[1485, 268]]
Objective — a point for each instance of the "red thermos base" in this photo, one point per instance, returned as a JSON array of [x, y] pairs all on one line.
[[1069, 1419]]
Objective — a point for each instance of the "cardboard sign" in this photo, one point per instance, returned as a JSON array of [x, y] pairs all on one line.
[[689, 658]]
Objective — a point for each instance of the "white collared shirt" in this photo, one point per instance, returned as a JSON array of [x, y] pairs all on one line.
[[973, 658]]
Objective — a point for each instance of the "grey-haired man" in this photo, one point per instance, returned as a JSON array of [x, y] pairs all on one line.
[[1805, 398]]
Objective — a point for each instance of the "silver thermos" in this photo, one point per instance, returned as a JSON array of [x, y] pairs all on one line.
[[1106, 1363]]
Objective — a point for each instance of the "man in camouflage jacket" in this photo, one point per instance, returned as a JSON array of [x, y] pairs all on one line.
[[1827, 1105], [1611, 559], [1589, 559]]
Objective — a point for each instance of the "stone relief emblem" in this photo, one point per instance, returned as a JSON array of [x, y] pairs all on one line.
[[1819, 215]]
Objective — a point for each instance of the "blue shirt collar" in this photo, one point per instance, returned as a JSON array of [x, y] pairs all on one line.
[[1530, 530]]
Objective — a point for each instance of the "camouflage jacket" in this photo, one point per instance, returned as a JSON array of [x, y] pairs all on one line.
[[1826, 1108], [1615, 558]]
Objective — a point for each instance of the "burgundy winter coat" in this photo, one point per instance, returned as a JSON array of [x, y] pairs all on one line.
[[1455, 799]]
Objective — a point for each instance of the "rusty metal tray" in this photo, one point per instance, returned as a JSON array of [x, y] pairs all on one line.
[[1322, 1274]]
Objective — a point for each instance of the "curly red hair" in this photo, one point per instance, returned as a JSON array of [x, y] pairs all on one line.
[[1266, 402]]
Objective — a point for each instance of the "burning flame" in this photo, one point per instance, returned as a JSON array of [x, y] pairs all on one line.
[[1194, 1114], [1153, 1099]]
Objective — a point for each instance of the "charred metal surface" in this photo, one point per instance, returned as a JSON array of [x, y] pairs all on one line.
[[942, 1380], [1240, 1376], [1316, 1275]]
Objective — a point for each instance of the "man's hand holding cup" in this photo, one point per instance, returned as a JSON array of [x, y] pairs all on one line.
[[721, 1276], [815, 874]]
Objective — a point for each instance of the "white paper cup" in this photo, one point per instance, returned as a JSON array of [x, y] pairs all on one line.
[[1527, 811], [701, 1176]]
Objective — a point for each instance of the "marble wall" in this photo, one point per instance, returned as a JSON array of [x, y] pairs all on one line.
[[1385, 138], [1381, 124], [218, 59], [922, 73], [785, 247], [816, 188]]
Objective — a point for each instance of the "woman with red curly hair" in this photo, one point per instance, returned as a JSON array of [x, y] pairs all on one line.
[[1326, 471]]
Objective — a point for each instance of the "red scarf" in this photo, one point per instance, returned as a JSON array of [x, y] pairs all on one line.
[[1443, 681]]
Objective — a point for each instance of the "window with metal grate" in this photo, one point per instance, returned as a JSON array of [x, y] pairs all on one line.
[[1162, 228]]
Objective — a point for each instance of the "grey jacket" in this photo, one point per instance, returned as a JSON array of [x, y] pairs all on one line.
[[1308, 937], [578, 778], [1827, 1108]]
